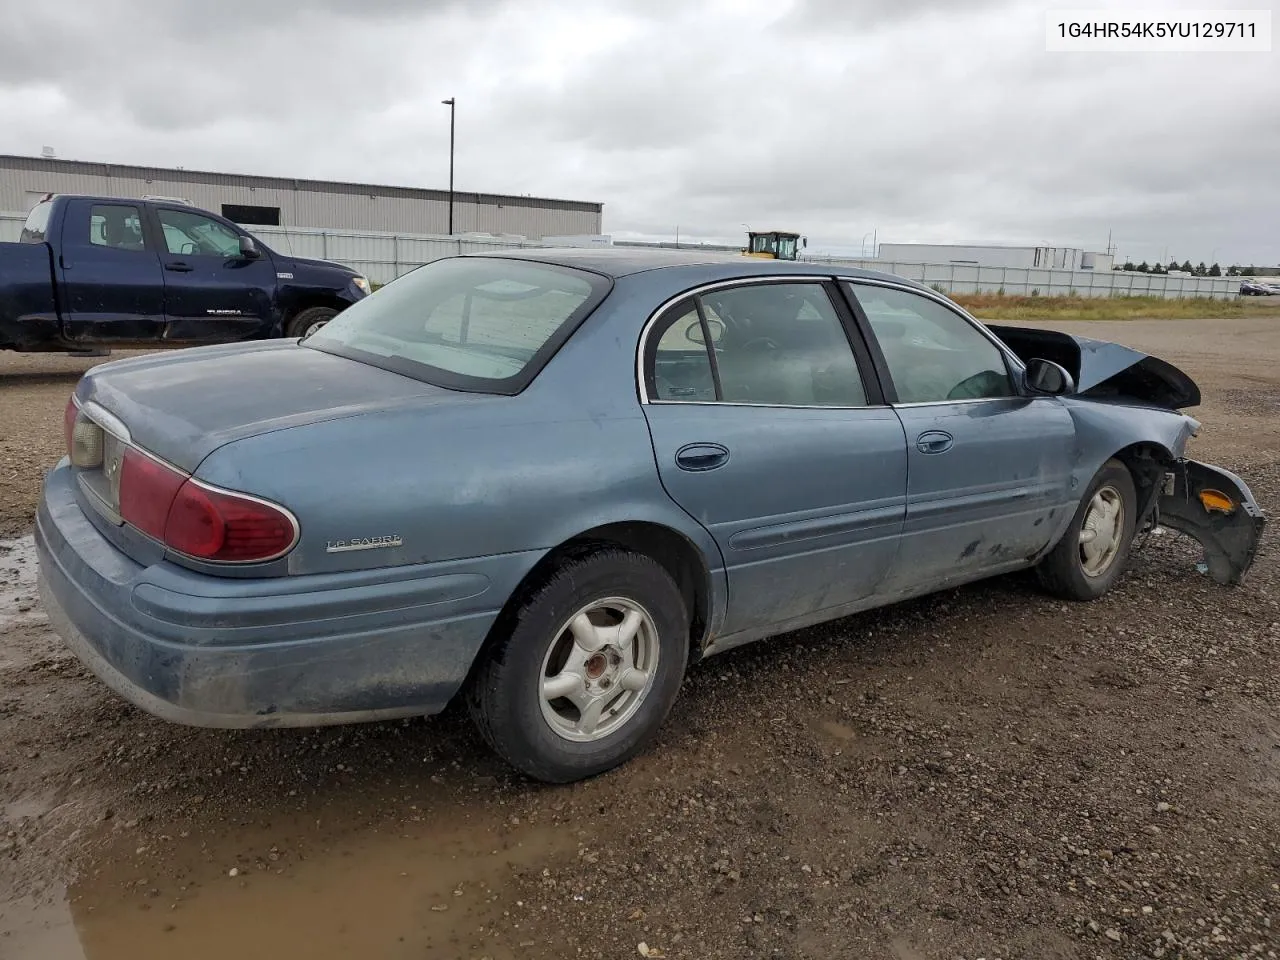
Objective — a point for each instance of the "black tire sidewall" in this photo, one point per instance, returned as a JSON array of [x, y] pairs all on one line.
[[1115, 474], [517, 727], [299, 322]]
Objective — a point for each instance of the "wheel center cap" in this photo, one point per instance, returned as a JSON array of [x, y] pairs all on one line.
[[597, 665]]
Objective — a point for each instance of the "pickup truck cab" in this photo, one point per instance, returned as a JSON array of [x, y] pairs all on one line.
[[94, 272]]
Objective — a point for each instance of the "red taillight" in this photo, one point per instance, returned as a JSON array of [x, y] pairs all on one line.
[[194, 520], [69, 420], [226, 527], [147, 489]]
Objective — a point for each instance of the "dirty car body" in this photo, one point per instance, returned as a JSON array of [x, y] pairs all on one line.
[[349, 527]]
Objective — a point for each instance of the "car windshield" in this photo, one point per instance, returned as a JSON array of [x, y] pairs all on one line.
[[469, 323]]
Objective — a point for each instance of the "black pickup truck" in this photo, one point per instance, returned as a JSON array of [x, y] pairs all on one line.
[[101, 272]]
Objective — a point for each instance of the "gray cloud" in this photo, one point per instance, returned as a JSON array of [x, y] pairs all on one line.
[[819, 15], [921, 119]]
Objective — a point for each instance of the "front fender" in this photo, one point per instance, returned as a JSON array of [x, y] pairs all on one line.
[[1214, 507]]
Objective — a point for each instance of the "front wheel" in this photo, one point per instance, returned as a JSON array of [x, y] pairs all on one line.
[[1092, 554], [588, 669], [306, 322]]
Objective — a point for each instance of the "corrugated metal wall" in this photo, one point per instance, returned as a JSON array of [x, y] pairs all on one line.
[[303, 203], [379, 256]]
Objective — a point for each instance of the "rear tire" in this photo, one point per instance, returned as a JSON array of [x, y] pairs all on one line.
[[562, 694], [308, 321], [1092, 554]]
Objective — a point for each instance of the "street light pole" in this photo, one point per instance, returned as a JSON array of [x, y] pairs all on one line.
[[451, 104]]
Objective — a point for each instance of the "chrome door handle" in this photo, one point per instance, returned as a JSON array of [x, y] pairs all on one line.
[[697, 457], [934, 441]]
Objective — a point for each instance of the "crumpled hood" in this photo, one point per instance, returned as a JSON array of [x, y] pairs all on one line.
[[1105, 369]]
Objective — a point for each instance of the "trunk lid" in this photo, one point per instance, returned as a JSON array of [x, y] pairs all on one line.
[[183, 406]]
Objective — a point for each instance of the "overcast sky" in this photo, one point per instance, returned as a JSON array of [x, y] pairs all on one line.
[[925, 120]]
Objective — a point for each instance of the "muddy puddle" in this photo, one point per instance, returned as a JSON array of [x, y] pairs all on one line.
[[427, 886], [18, 600], [362, 874]]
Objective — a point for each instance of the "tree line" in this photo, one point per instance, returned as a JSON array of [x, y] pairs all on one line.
[[1199, 270]]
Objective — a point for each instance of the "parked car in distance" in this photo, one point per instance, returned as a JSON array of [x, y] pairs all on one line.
[[94, 272], [548, 481], [1257, 288]]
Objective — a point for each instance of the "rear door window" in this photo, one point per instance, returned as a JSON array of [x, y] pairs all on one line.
[[116, 225]]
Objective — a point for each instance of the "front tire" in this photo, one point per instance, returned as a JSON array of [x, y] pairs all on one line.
[[308, 321], [588, 669], [1092, 554]]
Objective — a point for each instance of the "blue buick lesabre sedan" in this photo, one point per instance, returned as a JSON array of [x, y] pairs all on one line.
[[548, 481]]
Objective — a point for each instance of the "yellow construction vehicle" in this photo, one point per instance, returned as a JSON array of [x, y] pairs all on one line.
[[774, 244]]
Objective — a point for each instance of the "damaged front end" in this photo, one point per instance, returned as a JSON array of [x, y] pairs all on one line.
[[1214, 507], [1211, 505]]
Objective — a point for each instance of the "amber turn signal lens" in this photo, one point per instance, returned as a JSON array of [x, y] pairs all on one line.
[[1213, 501]]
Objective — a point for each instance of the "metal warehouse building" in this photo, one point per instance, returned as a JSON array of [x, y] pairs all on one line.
[[284, 201]]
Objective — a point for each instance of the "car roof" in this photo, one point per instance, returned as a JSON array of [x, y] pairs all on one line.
[[618, 262]]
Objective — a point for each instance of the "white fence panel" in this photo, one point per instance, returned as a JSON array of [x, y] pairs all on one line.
[[384, 256], [1039, 281]]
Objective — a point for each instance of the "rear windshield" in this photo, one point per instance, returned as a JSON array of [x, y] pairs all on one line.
[[468, 323], [37, 225]]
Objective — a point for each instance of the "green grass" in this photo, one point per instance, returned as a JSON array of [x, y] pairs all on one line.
[[990, 306]]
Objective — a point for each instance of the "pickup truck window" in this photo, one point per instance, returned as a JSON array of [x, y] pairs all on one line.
[[116, 225], [37, 224], [189, 234]]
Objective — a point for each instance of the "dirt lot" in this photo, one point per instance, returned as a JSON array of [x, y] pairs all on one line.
[[984, 773]]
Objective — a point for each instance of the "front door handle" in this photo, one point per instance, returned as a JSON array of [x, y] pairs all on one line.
[[177, 266], [934, 441], [697, 457]]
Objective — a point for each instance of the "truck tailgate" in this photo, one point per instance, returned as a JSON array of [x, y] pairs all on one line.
[[28, 304]]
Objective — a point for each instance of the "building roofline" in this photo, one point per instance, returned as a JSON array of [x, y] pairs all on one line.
[[95, 168]]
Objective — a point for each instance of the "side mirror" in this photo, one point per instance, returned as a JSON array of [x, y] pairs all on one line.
[[1045, 376], [248, 249]]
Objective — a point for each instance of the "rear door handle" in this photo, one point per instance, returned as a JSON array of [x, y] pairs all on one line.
[[934, 441], [177, 266], [697, 457]]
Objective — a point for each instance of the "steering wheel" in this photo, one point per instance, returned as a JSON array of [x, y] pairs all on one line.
[[984, 384], [768, 343]]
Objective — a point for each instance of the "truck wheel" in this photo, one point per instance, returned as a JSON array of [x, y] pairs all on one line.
[[306, 322], [1092, 554], [588, 668]]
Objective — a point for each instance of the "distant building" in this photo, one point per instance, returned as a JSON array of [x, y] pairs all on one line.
[[1049, 258], [293, 202]]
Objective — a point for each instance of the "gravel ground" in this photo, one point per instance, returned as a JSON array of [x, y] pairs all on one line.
[[982, 773]]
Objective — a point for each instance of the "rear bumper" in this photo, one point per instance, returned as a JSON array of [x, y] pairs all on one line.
[[282, 651], [1215, 507]]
